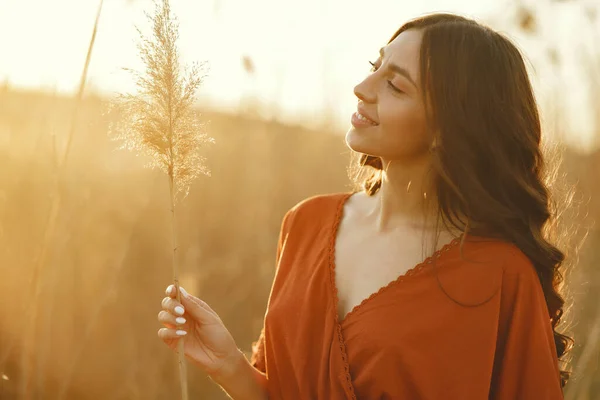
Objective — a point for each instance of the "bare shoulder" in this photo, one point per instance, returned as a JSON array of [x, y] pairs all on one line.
[[358, 203], [318, 208], [320, 203]]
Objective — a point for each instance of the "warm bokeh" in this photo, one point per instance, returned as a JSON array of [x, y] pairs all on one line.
[[85, 250]]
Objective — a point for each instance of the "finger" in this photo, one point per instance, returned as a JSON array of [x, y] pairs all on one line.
[[167, 333], [197, 308], [171, 291], [186, 296], [173, 306], [170, 321]]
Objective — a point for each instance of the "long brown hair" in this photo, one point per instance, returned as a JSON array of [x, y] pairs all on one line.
[[488, 162]]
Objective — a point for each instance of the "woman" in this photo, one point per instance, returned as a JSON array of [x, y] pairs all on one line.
[[448, 129]]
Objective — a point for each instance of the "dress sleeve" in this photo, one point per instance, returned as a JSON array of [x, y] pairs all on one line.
[[526, 363], [258, 347]]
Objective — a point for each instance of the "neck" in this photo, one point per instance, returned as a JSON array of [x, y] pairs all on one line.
[[406, 198]]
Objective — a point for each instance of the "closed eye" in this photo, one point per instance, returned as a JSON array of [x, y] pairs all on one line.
[[391, 86]]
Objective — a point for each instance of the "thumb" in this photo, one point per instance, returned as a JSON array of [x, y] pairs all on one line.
[[197, 308]]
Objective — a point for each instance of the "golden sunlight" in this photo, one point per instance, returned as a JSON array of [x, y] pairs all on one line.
[[303, 71], [95, 248]]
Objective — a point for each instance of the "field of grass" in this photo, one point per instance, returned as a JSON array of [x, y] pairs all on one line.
[[81, 291]]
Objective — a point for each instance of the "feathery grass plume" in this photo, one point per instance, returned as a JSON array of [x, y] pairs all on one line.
[[159, 121]]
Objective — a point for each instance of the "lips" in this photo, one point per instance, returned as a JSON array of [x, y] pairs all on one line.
[[358, 121], [361, 112]]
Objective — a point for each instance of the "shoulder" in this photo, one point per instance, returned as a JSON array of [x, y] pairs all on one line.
[[484, 268], [320, 202], [520, 275], [322, 207], [511, 259], [501, 254]]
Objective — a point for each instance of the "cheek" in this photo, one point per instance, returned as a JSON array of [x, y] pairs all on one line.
[[403, 128], [401, 132]]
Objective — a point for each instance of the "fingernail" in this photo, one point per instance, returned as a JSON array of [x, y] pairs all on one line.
[[169, 290], [180, 320], [180, 333], [179, 310], [183, 291]]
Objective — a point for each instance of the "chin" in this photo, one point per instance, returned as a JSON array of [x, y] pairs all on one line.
[[359, 142]]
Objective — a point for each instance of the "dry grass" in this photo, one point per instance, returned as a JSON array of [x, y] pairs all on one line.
[[159, 122], [34, 285], [106, 272], [109, 258], [87, 263]]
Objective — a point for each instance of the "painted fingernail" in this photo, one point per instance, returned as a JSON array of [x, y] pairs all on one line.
[[169, 290], [180, 320], [180, 333], [179, 310], [183, 291]]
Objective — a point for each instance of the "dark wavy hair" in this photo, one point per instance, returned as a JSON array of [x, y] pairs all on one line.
[[488, 163]]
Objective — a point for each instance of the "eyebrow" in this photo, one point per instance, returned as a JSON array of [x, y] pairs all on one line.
[[398, 69]]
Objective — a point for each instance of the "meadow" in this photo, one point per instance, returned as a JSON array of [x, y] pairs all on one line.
[[85, 250]]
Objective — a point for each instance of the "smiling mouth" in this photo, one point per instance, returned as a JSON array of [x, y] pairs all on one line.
[[361, 120]]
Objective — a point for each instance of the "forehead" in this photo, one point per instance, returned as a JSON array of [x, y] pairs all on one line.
[[405, 50]]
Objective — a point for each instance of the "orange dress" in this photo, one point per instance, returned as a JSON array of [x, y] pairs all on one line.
[[470, 327]]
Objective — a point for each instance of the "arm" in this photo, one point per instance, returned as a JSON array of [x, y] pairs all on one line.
[[243, 381], [526, 364], [247, 379]]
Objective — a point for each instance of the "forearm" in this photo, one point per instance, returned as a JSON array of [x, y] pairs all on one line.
[[243, 381]]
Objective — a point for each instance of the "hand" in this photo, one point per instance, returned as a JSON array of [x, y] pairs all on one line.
[[206, 341]]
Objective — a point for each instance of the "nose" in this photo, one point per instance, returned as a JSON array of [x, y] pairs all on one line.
[[364, 92]]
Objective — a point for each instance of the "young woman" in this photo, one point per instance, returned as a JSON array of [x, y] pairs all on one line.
[[435, 280]]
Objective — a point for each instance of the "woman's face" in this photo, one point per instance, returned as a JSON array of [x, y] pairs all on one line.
[[391, 98]]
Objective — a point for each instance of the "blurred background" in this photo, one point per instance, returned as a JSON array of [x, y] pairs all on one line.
[[85, 244]]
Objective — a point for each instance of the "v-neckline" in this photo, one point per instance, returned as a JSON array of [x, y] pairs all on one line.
[[338, 324], [406, 275]]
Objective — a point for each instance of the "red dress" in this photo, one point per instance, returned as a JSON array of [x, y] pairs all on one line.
[[470, 327]]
